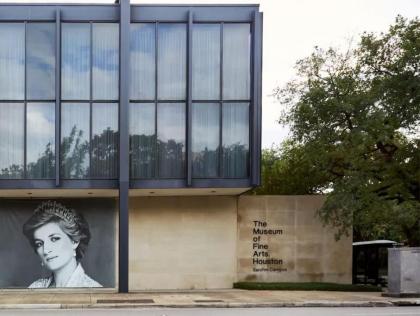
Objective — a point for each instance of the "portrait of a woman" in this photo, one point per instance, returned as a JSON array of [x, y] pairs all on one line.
[[59, 236]]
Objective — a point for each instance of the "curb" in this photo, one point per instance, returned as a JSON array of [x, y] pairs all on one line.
[[216, 305], [407, 303]]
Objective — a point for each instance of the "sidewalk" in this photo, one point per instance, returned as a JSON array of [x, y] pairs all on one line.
[[191, 299]]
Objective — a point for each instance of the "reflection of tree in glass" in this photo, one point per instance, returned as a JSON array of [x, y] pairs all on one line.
[[74, 158], [12, 172], [104, 161], [43, 168], [205, 163], [74, 153], [171, 159], [142, 156], [235, 161]]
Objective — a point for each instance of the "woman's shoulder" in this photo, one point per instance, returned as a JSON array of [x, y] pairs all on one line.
[[81, 279], [40, 283], [87, 281]]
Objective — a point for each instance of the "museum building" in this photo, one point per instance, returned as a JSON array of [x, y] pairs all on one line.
[[141, 109], [128, 135]]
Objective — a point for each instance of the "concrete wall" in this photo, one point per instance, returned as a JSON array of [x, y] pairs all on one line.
[[302, 249], [208, 242], [182, 242]]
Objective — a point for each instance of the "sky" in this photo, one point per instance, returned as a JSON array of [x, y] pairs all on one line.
[[292, 28]]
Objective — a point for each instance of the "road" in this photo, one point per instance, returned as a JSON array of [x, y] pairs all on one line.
[[317, 311]]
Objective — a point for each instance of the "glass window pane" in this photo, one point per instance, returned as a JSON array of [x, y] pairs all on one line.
[[142, 67], [12, 61], [206, 62], [172, 59], [105, 61], [104, 161], [75, 140], [75, 61], [235, 140], [171, 139], [142, 140], [11, 140], [236, 61], [40, 136], [40, 63], [205, 139]]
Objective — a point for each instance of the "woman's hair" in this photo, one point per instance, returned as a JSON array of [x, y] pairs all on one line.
[[71, 223]]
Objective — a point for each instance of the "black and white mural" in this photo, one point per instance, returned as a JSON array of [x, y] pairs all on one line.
[[66, 243]]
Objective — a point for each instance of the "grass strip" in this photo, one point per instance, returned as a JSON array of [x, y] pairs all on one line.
[[305, 286]]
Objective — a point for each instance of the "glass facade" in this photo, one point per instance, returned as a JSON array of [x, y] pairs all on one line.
[[190, 98], [89, 124], [75, 61], [205, 140], [12, 61], [142, 140], [75, 130], [12, 140], [40, 61], [27, 93], [220, 128], [40, 140]]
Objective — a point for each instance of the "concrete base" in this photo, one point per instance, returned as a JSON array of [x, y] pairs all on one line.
[[401, 295], [404, 272], [210, 242]]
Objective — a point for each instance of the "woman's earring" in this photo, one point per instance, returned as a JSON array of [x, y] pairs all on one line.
[[42, 263], [74, 253]]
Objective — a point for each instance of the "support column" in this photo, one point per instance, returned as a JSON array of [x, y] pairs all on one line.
[[124, 179], [57, 95], [256, 115], [189, 99]]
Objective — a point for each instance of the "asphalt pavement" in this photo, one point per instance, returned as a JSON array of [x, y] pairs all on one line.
[[313, 311]]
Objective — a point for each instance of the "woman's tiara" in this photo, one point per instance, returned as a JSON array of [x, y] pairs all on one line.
[[56, 209]]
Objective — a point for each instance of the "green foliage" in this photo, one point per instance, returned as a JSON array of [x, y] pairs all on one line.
[[356, 116], [305, 286], [287, 170]]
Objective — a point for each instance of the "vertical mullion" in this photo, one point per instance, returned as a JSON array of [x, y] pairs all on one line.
[[221, 105], [90, 97], [25, 103], [119, 94], [57, 95], [124, 176], [189, 99], [251, 108], [255, 123], [156, 149]]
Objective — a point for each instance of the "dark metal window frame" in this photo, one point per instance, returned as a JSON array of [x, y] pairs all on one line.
[[188, 14]]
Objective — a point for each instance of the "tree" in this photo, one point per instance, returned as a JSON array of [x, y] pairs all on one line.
[[287, 170], [356, 116]]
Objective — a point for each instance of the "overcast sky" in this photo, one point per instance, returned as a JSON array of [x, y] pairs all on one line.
[[293, 27]]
